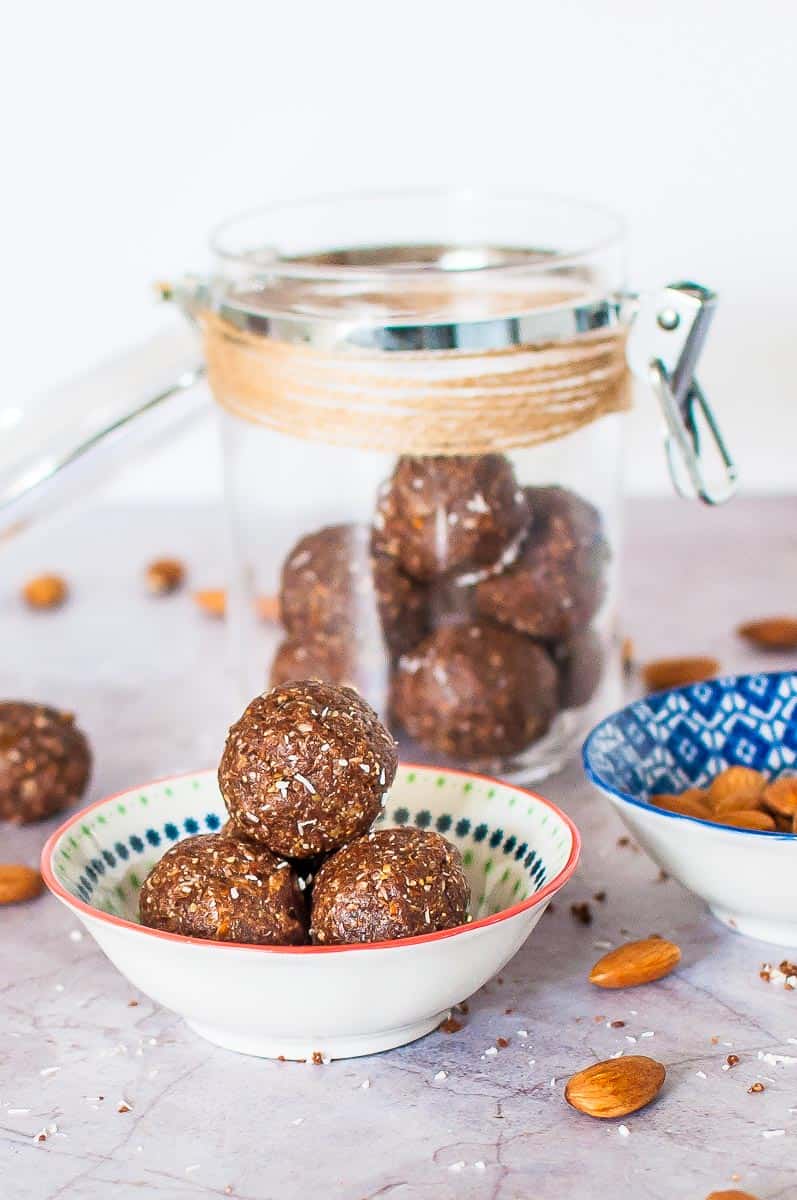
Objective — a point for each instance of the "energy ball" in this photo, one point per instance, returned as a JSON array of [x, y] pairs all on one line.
[[396, 883], [333, 583], [306, 768], [225, 888], [580, 665], [475, 691], [444, 516], [45, 761], [328, 658], [557, 584]]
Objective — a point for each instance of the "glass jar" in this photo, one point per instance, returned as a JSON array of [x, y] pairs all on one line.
[[420, 401], [420, 398]]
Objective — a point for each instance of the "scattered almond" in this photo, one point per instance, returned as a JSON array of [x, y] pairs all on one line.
[[748, 819], [18, 882], [665, 673], [213, 602], [635, 963], [780, 796], [45, 592], [165, 575], [736, 788], [616, 1087], [771, 633]]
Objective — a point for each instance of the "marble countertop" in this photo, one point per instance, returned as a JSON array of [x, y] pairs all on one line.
[[75, 1039]]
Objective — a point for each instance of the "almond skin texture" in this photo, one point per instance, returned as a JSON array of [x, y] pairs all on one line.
[[616, 1087], [666, 673], [18, 882], [748, 819], [772, 633], [635, 963], [687, 805], [780, 796], [735, 789]]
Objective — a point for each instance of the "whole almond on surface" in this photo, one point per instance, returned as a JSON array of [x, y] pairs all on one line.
[[665, 673], [635, 963], [45, 592], [731, 1194], [780, 796], [18, 882], [616, 1087], [685, 804], [747, 819], [771, 633], [213, 601], [165, 575], [737, 788]]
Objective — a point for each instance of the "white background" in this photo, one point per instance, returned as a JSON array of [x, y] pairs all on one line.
[[131, 128]]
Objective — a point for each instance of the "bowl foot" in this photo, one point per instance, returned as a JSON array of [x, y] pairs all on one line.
[[779, 933], [265, 1045]]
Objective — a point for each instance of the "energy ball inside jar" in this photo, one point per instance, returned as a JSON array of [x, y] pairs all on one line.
[[475, 692], [442, 516], [225, 888], [580, 665], [307, 768], [45, 761], [558, 582], [396, 883], [334, 583]]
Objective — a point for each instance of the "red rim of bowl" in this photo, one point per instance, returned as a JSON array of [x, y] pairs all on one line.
[[558, 881]]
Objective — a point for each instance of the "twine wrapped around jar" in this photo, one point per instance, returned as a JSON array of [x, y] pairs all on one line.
[[418, 402]]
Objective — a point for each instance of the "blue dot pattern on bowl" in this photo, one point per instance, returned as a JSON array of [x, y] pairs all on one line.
[[680, 739], [511, 843]]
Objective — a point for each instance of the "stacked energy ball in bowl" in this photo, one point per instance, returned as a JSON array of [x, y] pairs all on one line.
[[464, 612], [304, 775]]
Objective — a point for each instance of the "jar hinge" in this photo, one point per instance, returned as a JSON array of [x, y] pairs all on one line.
[[669, 330]]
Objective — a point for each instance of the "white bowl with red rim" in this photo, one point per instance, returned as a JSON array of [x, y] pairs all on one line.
[[297, 1002]]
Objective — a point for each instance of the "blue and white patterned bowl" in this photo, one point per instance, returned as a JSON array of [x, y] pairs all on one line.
[[337, 1001], [678, 739]]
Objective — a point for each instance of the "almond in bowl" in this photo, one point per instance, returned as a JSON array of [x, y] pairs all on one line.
[[705, 779]]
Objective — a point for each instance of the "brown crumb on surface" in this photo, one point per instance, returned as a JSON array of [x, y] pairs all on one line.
[[755, 1088], [732, 1060], [318, 1058], [599, 897], [464, 1007], [715, 1040], [788, 968], [123, 1107], [132, 1004], [45, 592], [450, 1025], [581, 912], [617, 1024], [508, 1011], [502, 1043], [663, 876], [628, 655]]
